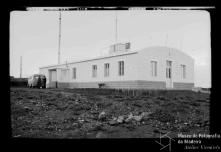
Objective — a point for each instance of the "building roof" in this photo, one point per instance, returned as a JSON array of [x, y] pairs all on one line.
[[95, 58], [119, 54], [160, 48]]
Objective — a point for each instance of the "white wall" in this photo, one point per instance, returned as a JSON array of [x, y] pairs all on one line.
[[161, 54], [136, 67], [84, 69]]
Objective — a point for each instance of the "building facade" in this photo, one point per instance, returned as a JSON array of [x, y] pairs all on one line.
[[149, 68]]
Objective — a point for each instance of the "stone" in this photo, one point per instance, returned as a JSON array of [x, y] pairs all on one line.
[[32, 101], [120, 119], [100, 135], [129, 118], [17, 135], [27, 108], [137, 118], [113, 122], [101, 115], [145, 114], [115, 118], [75, 124]]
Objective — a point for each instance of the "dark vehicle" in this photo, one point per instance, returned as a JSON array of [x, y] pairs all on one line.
[[37, 80]]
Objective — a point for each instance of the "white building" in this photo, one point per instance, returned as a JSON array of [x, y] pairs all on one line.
[[149, 68]]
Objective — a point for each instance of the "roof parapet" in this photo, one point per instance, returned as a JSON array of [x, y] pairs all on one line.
[[119, 48]]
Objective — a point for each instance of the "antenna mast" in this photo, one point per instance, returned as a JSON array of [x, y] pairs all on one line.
[[166, 40], [116, 29], [20, 66], [181, 43], [59, 40]]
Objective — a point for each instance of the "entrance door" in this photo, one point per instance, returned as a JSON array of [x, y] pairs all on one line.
[[53, 78], [54, 75], [169, 74], [65, 75]]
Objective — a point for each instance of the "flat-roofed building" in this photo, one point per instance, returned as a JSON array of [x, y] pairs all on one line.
[[156, 67]]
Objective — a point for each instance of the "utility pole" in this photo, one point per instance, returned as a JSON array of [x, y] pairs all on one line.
[[150, 38], [116, 29], [166, 40], [59, 39], [181, 43], [20, 66]]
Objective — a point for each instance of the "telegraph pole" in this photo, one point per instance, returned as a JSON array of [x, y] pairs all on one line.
[[59, 39], [20, 66], [116, 29], [181, 44], [166, 40]]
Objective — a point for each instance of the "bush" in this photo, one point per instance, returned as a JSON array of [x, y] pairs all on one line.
[[19, 82]]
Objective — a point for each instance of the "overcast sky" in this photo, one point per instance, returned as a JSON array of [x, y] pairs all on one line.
[[85, 34]]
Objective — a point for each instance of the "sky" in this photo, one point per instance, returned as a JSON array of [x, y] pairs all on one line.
[[86, 34]]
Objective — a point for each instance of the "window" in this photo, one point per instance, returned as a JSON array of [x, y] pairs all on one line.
[[63, 74], [127, 45], [74, 73], [121, 67], [94, 70], [154, 68], [106, 69], [168, 69], [183, 71]]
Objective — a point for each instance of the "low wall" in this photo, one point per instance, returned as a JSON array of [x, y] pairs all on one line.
[[18, 82], [183, 86], [138, 84], [52, 84], [63, 85], [133, 84]]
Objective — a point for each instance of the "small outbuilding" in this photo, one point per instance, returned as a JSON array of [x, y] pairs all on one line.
[[156, 67]]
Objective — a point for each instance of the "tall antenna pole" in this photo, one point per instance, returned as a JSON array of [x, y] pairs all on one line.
[[116, 29], [181, 44], [166, 40], [166, 43], [59, 41], [20, 66], [150, 37]]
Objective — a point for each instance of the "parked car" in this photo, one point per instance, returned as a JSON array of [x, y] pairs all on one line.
[[37, 80]]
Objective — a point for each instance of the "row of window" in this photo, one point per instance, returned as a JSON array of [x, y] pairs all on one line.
[[168, 69], [183, 71], [121, 69], [106, 70]]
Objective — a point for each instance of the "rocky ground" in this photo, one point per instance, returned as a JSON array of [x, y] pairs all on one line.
[[102, 113]]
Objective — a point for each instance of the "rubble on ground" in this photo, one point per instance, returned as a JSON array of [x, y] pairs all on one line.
[[94, 113]]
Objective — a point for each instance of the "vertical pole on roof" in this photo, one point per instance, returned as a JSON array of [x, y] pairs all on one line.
[[166, 40], [181, 43], [166, 43], [116, 28], [150, 37], [20, 66], [59, 38]]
